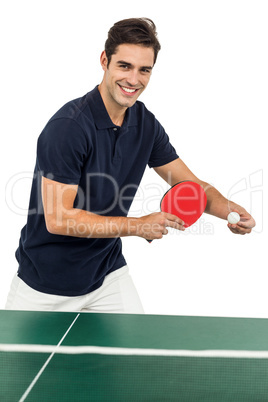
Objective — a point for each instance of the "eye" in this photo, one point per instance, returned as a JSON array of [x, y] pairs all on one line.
[[145, 70], [124, 66]]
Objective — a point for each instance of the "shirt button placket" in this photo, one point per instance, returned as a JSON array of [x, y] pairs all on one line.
[[115, 156]]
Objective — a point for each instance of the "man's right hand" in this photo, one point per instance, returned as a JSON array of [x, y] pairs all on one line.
[[154, 226]]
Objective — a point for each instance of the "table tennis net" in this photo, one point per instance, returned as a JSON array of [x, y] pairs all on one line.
[[45, 373]]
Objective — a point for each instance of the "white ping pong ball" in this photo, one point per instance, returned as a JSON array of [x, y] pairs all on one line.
[[233, 217]]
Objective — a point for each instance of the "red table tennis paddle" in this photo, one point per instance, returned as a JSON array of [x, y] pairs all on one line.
[[187, 200]]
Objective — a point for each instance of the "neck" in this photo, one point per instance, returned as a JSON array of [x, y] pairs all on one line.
[[115, 111]]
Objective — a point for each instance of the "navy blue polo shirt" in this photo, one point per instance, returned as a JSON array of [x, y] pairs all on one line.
[[80, 145]]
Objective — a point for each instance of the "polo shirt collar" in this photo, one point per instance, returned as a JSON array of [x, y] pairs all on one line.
[[101, 117]]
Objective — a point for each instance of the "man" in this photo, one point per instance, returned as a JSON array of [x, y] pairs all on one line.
[[91, 157]]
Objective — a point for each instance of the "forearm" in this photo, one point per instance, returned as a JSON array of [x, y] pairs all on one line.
[[62, 218], [217, 204], [80, 223]]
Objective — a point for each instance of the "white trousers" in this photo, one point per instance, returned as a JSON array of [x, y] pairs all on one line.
[[116, 295]]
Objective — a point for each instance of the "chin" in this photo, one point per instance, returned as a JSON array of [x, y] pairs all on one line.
[[125, 103], [129, 104]]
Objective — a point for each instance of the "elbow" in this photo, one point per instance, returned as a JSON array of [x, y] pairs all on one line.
[[53, 227]]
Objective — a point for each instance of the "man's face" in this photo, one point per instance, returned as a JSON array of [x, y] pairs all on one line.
[[128, 73]]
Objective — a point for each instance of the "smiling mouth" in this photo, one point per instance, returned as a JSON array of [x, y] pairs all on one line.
[[128, 91]]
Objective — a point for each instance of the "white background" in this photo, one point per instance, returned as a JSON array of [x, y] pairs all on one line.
[[209, 90]]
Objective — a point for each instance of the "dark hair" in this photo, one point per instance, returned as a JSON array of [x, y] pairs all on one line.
[[136, 31]]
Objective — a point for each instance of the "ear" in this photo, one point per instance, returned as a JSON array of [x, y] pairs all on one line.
[[103, 60]]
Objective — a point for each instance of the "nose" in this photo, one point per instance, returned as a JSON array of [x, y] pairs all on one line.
[[132, 78]]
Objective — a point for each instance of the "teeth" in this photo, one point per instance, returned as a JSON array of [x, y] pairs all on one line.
[[128, 90]]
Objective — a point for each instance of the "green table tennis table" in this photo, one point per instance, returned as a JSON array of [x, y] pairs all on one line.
[[58, 356]]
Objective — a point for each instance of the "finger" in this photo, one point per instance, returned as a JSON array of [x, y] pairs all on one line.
[[173, 218], [247, 221], [237, 229], [246, 224], [165, 232], [175, 225], [244, 228], [233, 229], [156, 231]]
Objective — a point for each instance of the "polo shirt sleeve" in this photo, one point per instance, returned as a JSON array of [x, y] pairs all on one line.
[[61, 151], [162, 152]]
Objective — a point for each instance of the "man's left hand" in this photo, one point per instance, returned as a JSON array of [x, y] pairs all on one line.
[[244, 226]]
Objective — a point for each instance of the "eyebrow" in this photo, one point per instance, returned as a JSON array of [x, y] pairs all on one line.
[[131, 65]]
